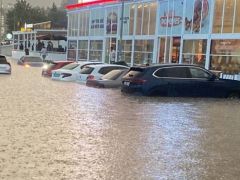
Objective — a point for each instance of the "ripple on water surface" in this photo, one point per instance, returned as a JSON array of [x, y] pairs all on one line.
[[56, 130]]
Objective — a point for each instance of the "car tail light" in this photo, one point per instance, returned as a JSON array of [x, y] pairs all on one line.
[[139, 81], [90, 77], [66, 75]]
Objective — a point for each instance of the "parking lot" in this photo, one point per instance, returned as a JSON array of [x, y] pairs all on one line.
[[64, 130]]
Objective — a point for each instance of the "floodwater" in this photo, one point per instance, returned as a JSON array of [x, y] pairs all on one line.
[[56, 130]]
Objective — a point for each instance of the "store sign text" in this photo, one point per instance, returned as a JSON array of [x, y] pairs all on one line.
[[170, 19]]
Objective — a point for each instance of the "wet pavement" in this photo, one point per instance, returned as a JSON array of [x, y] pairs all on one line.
[[58, 130]]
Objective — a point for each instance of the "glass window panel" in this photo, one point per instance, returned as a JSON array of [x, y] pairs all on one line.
[[97, 22], [96, 49], [178, 17], [127, 51], [189, 16], [131, 24], [225, 56], [72, 47], [128, 20], [194, 52], [139, 19], [198, 5], [206, 6], [237, 17], [228, 16], [143, 51], [146, 18], [162, 50], [112, 20], [218, 11], [153, 14]]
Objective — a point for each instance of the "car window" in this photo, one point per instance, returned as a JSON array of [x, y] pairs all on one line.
[[174, 72], [86, 70], [198, 73], [113, 75], [70, 66], [89, 64], [32, 59]]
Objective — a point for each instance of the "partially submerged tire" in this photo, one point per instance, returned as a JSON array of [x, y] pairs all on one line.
[[233, 95]]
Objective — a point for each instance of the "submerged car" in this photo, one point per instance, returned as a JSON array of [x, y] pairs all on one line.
[[5, 66], [178, 81], [95, 72], [71, 71], [30, 61], [113, 79], [48, 68]]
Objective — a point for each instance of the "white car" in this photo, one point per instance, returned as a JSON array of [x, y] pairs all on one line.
[[5, 67], [71, 71], [91, 72]]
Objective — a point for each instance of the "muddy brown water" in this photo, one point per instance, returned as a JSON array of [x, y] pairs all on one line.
[[60, 130]]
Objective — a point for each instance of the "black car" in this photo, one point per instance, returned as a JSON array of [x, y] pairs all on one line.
[[5, 66], [179, 81]]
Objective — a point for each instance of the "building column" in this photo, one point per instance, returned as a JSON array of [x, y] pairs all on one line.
[[208, 54], [35, 41]]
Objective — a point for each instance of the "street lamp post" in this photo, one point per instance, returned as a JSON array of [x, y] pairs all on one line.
[[121, 34]]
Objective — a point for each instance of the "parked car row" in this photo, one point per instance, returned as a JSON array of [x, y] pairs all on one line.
[[177, 80]]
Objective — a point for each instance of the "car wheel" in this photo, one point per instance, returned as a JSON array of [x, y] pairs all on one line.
[[233, 95]]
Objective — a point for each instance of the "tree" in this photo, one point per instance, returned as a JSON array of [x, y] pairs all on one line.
[[23, 13], [58, 16]]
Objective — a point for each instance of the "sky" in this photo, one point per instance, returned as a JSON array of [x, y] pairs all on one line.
[[41, 3]]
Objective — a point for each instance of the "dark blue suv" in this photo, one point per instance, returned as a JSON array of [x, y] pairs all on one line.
[[178, 80]]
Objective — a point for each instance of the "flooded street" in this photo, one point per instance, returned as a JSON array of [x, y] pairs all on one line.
[[57, 130]]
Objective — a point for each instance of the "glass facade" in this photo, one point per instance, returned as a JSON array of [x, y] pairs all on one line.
[[202, 32]]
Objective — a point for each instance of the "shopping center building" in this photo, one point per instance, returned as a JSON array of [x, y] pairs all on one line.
[[203, 32]]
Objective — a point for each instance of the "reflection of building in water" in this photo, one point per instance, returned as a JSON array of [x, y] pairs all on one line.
[[202, 32]]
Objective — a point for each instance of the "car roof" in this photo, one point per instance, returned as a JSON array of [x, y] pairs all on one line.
[[106, 65], [155, 66], [61, 61], [31, 56], [88, 62]]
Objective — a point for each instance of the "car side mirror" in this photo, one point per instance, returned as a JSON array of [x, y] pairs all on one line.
[[212, 77]]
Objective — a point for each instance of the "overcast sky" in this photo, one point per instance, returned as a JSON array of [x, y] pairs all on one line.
[[42, 3]]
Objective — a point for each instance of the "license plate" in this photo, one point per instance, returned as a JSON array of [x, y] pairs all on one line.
[[126, 83], [56, 75]]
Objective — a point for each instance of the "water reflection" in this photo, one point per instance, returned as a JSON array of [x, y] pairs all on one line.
[[55, 130]]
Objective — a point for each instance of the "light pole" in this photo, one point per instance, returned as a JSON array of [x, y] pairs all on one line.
[[119, 57]]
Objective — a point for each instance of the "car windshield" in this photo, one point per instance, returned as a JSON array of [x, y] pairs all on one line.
[[113, 75], [32, 59], [135, 72], [3, 60], [86, 70], [70, 66]]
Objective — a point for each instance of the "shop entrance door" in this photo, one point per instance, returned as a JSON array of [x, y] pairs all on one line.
[[169, 49], [111, 50]]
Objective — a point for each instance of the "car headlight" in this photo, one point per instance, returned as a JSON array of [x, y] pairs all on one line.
[[45, 66]]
